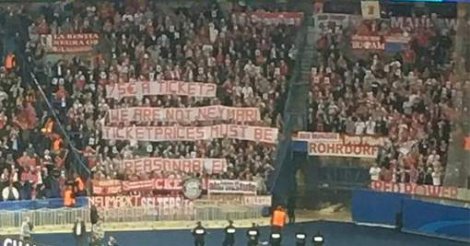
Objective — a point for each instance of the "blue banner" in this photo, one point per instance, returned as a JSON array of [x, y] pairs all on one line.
[[38, 204]]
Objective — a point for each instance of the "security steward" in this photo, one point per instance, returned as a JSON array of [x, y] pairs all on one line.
[[230, 230], [69, 197], [79, 185], [278, 219], [199, 232], [253, 235]]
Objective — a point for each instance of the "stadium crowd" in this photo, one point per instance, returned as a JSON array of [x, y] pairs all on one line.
[[250, 65], [404, 96]]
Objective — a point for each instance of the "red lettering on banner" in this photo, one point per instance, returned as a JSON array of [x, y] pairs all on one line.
[[414, 189], [158, 134]]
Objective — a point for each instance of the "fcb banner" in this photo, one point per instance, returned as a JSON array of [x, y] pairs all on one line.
[[211, 166], [208, 113], [374, 43], [70, 43], [269, 18], [156, 88], [180, 133], [227, 186]]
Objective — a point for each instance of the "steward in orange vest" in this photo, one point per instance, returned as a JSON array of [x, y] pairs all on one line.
[[10, 62], [69, 197], [279, 219], [79, 185]]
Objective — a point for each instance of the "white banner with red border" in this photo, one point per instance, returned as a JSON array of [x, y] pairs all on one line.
[[260, 134], [195, 165], [226, 186], [208, 113], [165, 87]]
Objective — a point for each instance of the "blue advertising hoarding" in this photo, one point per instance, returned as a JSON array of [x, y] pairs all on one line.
[[38, 204], [417, 216]]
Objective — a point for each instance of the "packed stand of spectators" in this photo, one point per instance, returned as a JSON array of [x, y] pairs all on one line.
[[33, 160], [405, 97], [249, 63]]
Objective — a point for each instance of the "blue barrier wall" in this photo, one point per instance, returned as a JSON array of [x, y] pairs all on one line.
[[375, 207], [432, 218], [38, 204], [418, 216]]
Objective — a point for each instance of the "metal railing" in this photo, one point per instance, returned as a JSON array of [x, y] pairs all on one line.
[[67, 216]]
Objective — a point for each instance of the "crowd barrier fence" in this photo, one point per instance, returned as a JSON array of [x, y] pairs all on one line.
[[67, 216]]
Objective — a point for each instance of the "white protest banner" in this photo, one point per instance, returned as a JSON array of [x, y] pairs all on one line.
[[211, 166], [182, 133], [370, 9], [320, 148], [257, 200], [165, 87], [208, 113], [227, 186], [334, 144]]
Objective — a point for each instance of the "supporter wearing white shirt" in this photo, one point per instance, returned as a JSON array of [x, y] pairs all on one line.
[[374, 172], [370, 127], [433, 157], [360, 127], [436, 177], [247, 91]]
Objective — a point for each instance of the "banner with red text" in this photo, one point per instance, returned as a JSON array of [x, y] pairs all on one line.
[[341, 145], [374, 43], [320, 148], [415, 189], [112, 187], [269, 18], [136, 201], [70, 43], [168, 205], [166, 87], [211, 166], [208, 113], [182, 133], [227, 186]]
